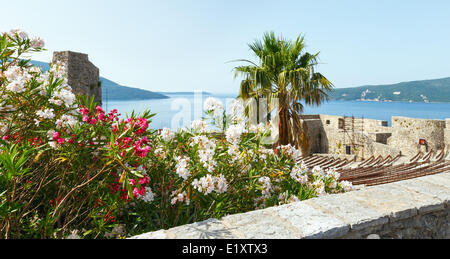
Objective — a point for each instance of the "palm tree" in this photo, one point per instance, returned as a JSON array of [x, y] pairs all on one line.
[[286, 72]]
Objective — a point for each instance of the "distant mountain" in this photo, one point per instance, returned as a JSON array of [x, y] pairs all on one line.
[[114, 91], [437, 90], [184, 93]]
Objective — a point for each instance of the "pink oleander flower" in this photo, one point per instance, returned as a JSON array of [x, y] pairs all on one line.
[[142, 124], [139, 192], [55, 136], [114, 128], [145, 180], [99, 109], [84, 111], [136, 192], [101, 116]]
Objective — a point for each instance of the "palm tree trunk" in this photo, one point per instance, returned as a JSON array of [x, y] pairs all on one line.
[[283, 126]]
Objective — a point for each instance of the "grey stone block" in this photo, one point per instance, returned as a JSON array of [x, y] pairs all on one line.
[[312, 223], [209, 229], [357, 215], [430, 188], [396, 201], [259, 225], [438, 179], [152, 235]]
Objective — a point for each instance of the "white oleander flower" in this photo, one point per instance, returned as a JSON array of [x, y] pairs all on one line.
[[317, 171], [290, 151], [34, 70], [12, 73], [333, 184], [65, 96], [267, 186], [37, 43], [234, 151], [260, 128], [199, 126], [179, 198], [46, 114], [222, 184], [55, 101], [264, 153], [54, 144], [299, 174], [214, 105], [160, 152], [149, 195], [16, 86], [209, 184], [167, 135], [234, 133], [18, 33], [206, 151], [182, 168], [319, 187], [58, 69], [66, 121], [331, 173], [347, 186], [237, 111]]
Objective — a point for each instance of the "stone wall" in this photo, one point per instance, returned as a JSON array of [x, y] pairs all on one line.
[[316, 134], [374, 138], [417, 208], [327, 136], [406, 133], [447, 135], [83, 76]]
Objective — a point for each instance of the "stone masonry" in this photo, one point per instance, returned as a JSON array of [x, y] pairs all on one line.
[[375, 138], [83, 76], [412, 209]]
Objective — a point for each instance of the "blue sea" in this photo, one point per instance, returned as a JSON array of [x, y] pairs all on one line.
[[180, 109]]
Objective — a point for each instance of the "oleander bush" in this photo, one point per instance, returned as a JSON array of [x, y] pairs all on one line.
[[69, 169]]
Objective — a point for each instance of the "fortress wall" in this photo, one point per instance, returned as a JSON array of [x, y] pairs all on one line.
[[327, 136], [370, 125], [82, 75], [316, 135], [406, 133], [447, 135]]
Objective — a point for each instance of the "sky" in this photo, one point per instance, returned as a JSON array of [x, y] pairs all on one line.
[[186, 45]]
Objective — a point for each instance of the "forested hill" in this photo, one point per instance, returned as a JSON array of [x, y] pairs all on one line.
[[437, 90], [114, 91]]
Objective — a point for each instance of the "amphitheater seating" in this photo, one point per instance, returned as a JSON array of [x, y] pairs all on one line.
[[382, 170]]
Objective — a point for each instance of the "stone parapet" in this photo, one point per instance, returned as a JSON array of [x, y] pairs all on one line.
[[417, 208]]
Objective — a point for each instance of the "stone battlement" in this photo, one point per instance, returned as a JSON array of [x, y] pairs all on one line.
[[417, 208]]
